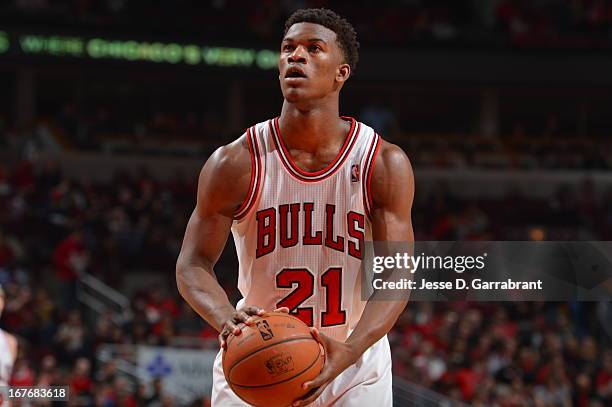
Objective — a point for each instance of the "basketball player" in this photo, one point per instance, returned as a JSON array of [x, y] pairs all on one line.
[[301, 193], [8, 352]]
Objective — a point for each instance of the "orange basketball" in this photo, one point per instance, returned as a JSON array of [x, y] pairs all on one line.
[[269, 361]]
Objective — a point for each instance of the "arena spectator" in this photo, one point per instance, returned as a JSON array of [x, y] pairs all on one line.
[[69, 258], [71, 337]]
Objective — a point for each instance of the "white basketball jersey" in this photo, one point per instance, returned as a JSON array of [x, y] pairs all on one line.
[[300, 235], [6, 360]]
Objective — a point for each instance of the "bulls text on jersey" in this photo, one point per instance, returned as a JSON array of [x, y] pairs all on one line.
[[273, 222]]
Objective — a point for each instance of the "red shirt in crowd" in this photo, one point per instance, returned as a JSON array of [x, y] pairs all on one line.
[[64, 252]]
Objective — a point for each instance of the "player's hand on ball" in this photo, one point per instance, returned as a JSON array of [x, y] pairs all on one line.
[[243, 315], [231, 327], [338, 357]]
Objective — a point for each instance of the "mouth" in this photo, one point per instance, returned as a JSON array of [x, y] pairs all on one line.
[[294, 72]]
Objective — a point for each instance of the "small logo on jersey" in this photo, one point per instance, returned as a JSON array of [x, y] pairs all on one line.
[[265, 330], [279, 364], [355, 173]]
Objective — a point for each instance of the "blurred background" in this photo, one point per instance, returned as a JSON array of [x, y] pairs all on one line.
[[109, 108]]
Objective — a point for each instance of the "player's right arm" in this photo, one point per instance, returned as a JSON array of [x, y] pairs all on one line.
[[222, 187]]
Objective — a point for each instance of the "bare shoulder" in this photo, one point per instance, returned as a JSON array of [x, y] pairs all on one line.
[[225, 177], [230, 159], [12, 343], [392, 171]]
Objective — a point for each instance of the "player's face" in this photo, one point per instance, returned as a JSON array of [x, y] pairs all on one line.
[[311, 63]]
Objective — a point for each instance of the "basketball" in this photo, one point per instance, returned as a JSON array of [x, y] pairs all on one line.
[[269, 361]]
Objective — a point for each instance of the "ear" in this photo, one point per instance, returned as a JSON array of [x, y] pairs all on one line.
[[343, 73]]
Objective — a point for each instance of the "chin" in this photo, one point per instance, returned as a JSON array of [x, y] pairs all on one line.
[[294, 95]]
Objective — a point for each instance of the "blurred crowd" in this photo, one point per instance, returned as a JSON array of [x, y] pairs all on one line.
[[58, 345], [510, 354], [154, 132], [554, 23], [516, 150], [53, 228], [187, 134], [52, 221]]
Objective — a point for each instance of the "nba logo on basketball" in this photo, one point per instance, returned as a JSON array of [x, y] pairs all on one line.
[[265, 330], [355, 173]]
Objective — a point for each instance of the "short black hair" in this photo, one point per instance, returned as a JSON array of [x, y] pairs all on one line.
[[345, 33]]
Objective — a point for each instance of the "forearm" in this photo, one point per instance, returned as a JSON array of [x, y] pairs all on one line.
[[199, 287], [381, 312], [377, 319]]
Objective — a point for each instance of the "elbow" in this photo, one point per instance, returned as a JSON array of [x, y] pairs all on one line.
[[181, 276]]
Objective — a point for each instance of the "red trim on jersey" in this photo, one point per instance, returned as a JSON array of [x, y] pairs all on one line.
[[330, 169], [255, 175], [368, 168]]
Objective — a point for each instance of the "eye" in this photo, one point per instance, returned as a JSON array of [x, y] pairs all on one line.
[[314, 48], [288, 48]]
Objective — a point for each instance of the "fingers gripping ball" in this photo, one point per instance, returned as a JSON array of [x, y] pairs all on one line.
[[269, 361]]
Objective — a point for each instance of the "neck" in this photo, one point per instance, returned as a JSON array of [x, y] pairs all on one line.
[[309, 129]]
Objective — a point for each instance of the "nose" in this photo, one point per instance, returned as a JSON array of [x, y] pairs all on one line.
[[298, 55]]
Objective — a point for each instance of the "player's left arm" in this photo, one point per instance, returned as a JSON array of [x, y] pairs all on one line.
[[392, 189]]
